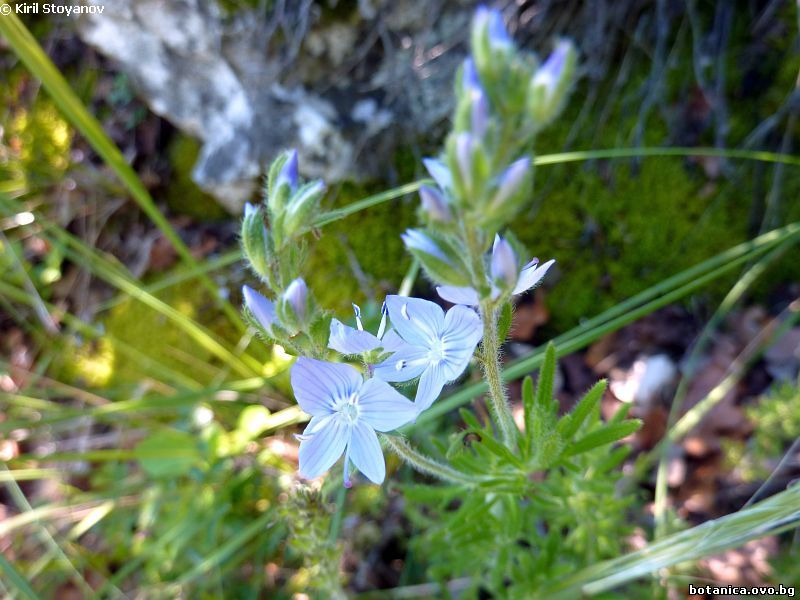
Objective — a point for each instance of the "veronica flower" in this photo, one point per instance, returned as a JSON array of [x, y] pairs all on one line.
[[503, 270], [437, 346], [346, 411]]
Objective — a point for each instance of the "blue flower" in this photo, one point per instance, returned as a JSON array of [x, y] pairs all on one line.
[[346, 411], [437, 347], [503, 270]]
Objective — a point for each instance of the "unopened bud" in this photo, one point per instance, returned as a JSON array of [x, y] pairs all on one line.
[[302, 207], [297, 297], [504, 263], [256, 242], [262, 309], [434, 204], [511, 181], [436, 256], [550, 84]]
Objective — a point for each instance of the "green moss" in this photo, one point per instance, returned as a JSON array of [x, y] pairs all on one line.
[[37, 140], [99, 364], [369, 242], [183, 196], [614, 236]]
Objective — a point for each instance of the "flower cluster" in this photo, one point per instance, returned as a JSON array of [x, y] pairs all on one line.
[[480, 183], [483, 178], [347, 410]]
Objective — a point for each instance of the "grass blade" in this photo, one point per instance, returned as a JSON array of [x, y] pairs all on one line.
[[33, 56]]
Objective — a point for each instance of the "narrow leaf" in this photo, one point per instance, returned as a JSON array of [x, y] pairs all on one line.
[[571, 423], [607, 434]]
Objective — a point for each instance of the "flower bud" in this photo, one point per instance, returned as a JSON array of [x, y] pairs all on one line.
[[437, 256], [434, 204], [504, 263], [281, 182], [472, 113], [469, 167], [256, 242], [293, 306], [301, 208], [296, 295], [511, 182], [288, 173], [550, 84], [440, 173], [464, 147], [262, 309], [489, 39]]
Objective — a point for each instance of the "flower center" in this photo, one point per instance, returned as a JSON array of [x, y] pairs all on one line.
[[348, 408], [436, 353]]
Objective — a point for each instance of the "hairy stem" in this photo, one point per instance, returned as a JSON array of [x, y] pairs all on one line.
[[425, 464], [490, 347], [490, 350]]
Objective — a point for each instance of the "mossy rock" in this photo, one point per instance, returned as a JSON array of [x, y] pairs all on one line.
[[362, 253], [183, 196], [100, 364]]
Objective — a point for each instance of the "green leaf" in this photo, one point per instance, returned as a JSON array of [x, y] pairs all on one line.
[[471, 420], [167, 453], [547, 374], [608, 434], [504, 323], [36, 60], [15, 581], [570, 424], [527, 411]]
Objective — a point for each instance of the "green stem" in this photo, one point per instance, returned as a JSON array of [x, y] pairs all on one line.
[[425, 464], [490, 351], [490, 346]]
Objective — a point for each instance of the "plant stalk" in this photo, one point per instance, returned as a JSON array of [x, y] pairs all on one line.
[[425, 464], [490, 350]]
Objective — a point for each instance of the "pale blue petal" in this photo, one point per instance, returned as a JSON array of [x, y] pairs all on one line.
[[430, 386], [365, 452], [324, 447], [439, 171], [418, 322], [384, 408], [405, 364], [318, 384], [463, 330], [262, 309], [392, 342], [531, 275], [348, 340], [458, 295]]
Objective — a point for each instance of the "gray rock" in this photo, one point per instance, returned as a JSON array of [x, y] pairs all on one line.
[[249, 85]]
